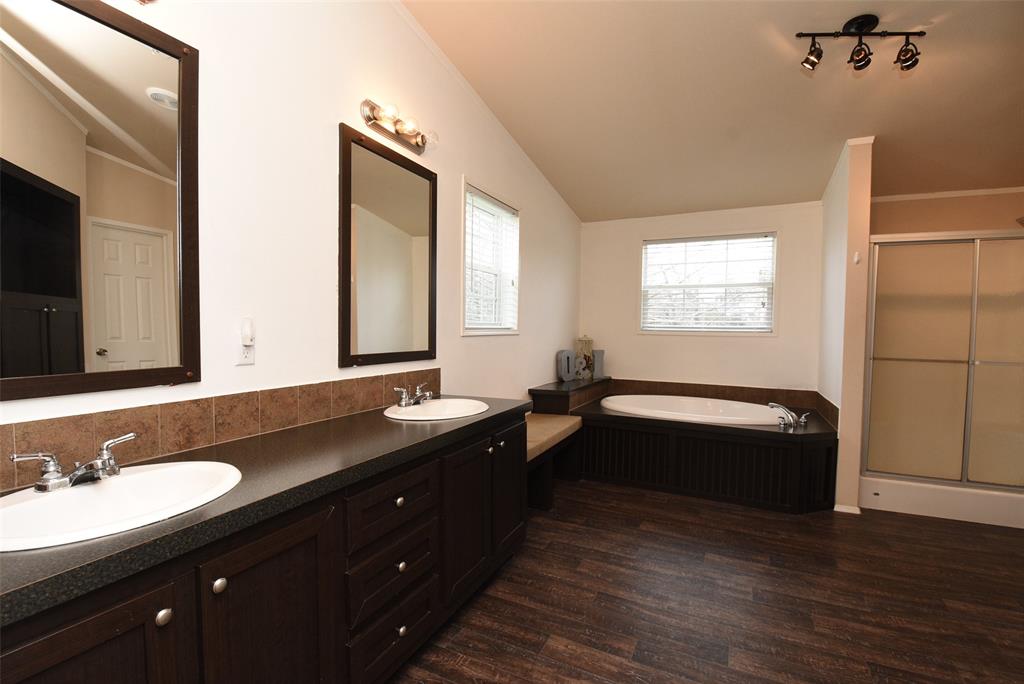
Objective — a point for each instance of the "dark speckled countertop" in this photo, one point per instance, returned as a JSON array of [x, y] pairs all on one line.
[[280, 471]]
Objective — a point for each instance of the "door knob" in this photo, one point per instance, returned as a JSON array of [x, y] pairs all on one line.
[[164, 617], [100, 351], [220, 585]]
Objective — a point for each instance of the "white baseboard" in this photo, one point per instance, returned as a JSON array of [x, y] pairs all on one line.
[[992, 507], [843, 508]]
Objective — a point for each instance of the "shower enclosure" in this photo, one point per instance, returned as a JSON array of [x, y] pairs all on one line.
[[945, 386]]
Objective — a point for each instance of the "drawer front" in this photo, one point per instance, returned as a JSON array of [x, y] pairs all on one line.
[[386, 643], [381, 509], [384, 576]]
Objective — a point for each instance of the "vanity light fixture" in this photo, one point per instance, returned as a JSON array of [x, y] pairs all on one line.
[[386, 119], [860, 27]]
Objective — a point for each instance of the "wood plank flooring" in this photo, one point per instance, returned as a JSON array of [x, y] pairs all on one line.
[[626, 585]]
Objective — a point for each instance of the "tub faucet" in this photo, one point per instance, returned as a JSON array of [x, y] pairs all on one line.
[[788, 419]]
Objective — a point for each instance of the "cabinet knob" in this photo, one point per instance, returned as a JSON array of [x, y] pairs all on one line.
[[402, 567], [163, 617], [220, 585], [490, 450], [399, 502], [402, 631], [501, 444]]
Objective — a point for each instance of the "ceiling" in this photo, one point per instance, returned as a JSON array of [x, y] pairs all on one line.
[[651, 108], [105, 75]]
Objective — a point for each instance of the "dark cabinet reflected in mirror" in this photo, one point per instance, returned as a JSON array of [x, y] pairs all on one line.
[[387, 254], [98, 230]]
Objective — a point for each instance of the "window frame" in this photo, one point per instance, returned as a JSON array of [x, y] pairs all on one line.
[[465, 331], [774, 332]]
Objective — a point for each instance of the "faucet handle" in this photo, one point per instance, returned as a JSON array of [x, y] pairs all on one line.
[[50, 463], [403, 396], [803, 418], [419, 387], [106, 446]]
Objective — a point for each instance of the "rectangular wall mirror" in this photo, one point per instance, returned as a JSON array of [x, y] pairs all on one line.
[[99, 287], [387, 255]]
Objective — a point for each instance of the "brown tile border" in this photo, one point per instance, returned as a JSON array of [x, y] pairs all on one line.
[[176, 426]]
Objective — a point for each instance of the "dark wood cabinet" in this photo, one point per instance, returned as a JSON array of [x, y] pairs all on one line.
[[508, 489], [268, 607], [343, 589], [466, 478], [147, 638]]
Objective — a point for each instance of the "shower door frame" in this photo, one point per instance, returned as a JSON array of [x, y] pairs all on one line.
[[946, 237]]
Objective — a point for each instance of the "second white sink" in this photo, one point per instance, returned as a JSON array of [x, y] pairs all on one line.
[[139, 496], [437, 409]]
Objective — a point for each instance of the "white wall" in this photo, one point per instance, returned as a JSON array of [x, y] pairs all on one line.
[[268, 198], [384, 286], [610, 302], [835, 209]]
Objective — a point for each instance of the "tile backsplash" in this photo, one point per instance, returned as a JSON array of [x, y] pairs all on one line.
[[168, 428]]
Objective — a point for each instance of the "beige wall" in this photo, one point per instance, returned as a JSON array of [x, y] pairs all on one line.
[[121, 193], [610, 300], [834, 220], [942, 212], [37, 136]]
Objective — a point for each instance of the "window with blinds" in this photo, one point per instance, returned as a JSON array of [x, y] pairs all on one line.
[[709, 284], [491, 286]]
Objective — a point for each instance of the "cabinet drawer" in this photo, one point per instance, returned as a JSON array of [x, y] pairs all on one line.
[[379, 579], [378, 650], [376, 511]]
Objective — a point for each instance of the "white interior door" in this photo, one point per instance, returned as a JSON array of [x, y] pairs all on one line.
[[128, 308]]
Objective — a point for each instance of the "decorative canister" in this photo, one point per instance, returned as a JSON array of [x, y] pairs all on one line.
[[585, 352], [565, 365]]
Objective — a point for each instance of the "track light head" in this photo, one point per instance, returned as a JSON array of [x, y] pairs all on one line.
[[908, 57], [813, 56], [860, 57]]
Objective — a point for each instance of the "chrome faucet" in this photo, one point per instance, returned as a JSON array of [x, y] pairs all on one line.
[[405, 399], [100, 468], [788, 419]]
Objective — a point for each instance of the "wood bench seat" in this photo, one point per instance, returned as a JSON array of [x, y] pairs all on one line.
[[548, 434]]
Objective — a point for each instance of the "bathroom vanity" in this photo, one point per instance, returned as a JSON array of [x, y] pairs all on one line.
[[344, 546]]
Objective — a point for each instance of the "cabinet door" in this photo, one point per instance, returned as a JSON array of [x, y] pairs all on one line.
[[23, 334], [149, 638], [466, 482], [508, 482], [268, 607]]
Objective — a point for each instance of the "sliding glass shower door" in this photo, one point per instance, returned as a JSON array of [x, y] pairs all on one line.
[[946, 366]]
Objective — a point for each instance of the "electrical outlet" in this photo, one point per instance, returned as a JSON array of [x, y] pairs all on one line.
[[246, 355]]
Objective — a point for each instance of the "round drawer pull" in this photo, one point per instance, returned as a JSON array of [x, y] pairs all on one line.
[[501, 444], [402, 567], [163, 617], [220, 585], [402, 631], [490, 450], [399, 502]]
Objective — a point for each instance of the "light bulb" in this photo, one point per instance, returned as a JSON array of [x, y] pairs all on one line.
[[388, 112], [408, 126]]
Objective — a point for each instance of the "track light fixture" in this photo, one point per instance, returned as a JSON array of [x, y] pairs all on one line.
[[860, 56], [908, 56], [813, 55], [860, 27]]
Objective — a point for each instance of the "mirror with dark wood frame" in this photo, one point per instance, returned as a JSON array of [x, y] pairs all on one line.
[[99, 281], [387, 255]]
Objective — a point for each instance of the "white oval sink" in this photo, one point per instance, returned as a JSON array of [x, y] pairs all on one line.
[[140, 495], [437, 409]]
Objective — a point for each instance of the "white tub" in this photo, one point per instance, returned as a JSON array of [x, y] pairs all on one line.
[[692, 409]]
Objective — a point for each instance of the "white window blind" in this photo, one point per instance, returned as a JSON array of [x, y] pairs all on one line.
[[709, 284], [491, 284]]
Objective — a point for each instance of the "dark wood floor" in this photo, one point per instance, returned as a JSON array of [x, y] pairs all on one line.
[[619, 585]]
